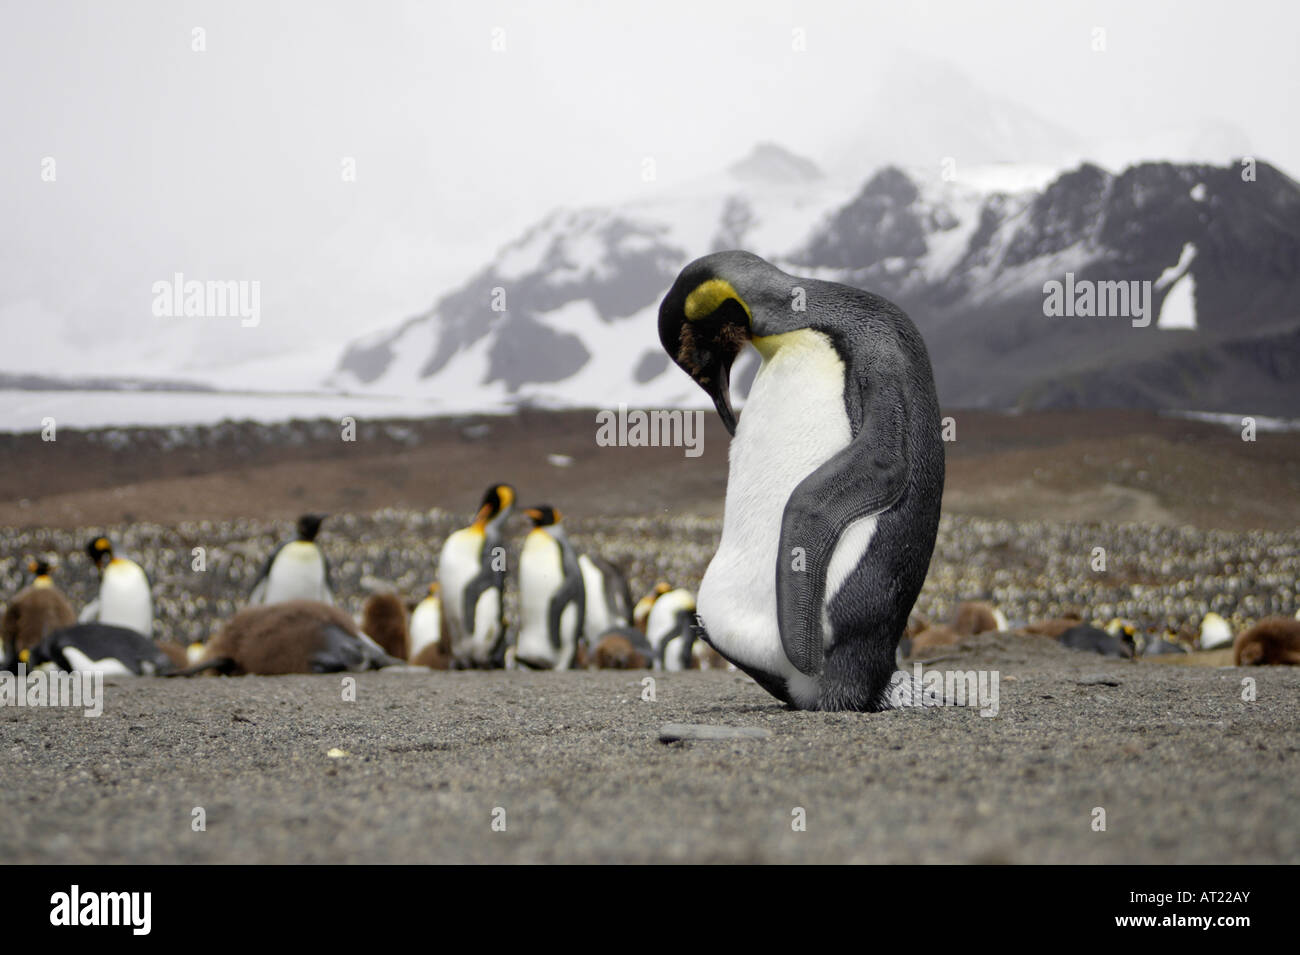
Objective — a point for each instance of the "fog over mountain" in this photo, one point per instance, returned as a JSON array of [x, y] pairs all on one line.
[[1015, 132]]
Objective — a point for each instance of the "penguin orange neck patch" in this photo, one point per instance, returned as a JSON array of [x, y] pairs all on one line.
[[708, 297]]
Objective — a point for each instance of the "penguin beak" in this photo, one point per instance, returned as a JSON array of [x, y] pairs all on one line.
[[715, 378], [706, 350], [722, 401]]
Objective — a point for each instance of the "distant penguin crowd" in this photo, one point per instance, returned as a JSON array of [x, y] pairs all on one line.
[[575, 612]]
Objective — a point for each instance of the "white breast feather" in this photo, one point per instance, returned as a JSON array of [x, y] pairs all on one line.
[[457, 566], [124, 598], [426, 624], [541, 573], [297, 573], [793, 422]]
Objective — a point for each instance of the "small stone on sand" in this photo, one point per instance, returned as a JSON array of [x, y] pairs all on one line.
[[672, 732]]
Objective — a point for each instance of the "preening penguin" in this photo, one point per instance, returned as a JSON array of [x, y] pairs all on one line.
[[296, 570], [124, 597], [34, 612], [835, 476], [295, 636], [552, 596], [102, 648], [472, 575]]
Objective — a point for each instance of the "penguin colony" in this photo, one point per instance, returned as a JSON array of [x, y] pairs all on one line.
[[576, 610], [654, 622], [831, 517]]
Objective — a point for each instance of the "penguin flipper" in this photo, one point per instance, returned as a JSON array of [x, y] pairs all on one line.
[[572, 591], [866, 477], [338, 651], [326, 582]]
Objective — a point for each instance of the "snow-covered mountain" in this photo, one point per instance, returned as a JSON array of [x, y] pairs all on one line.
[[566, 314]]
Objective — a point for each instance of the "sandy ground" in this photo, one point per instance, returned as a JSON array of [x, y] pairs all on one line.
[[1184, 769]]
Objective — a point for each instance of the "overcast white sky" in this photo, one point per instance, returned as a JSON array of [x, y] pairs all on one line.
[[226, 163]]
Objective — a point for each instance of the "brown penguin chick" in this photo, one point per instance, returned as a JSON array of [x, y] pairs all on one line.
[[1274, 640], [34, 612], [435, 656], [916, 623], [614, 651], [940, 635], [1052, 628], [175, 652], [976, 616], [297, 636], [383, 620]]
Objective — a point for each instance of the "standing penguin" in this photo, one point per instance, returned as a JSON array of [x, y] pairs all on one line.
[[296, 570], [609, 601], [552, 596], [34, 612], [430, 639], [124, 597], [472, 575], [835, 477]]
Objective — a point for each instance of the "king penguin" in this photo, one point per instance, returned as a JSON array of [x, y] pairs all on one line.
[[835, 475], [472, 575], [430, 639], [296, 570], [609, 600], [34, 612], [552, 595], [671, 629], [100, 648], [124, 598]]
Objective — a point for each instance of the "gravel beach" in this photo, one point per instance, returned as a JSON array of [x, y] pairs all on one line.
[[1184, 769]]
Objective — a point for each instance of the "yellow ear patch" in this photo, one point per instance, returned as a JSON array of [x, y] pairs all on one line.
[[24, 656], [708, 296], [506, 495]]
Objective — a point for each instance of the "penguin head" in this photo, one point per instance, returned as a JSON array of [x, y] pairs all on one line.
[[543, 515], [100, 551], [498, 500], [718, 304], [39, 568], [309, 526]]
